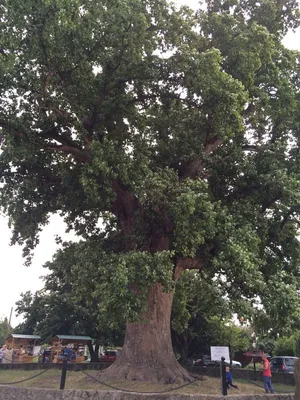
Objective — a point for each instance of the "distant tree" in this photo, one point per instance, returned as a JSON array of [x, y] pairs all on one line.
[[280, 314], [68, 305], [5, 329], [229, 334], [285, 346], [267, 344], [297, 343], [196, 300]]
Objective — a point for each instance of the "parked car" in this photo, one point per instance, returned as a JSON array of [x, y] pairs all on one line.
[[110, 356], [283, 364], [234, 363], [203, 361], [206, 361]]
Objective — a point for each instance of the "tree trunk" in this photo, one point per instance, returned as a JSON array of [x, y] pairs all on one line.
[[147, 354]]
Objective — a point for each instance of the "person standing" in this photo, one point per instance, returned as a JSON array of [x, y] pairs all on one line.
[[8, 355], [267, 375], [68, 353], [1, 354]]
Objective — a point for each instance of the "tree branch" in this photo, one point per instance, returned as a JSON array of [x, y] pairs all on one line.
[[64, 139], [249, 147], [194, 168], [125, 205], [189, 263]]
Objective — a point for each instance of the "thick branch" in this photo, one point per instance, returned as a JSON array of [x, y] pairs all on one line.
[[189, 263], [125, 205], [194, 168], [59, 137], [250, 147]]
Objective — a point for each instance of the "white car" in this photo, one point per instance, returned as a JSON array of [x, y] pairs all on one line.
[[234, 363]]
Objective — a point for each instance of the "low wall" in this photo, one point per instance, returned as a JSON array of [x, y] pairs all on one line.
[[14, 393]]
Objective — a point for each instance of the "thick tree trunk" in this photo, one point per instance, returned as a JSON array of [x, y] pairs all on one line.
[[147, 354]]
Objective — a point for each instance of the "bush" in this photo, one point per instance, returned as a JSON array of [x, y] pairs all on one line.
[[285, 346]]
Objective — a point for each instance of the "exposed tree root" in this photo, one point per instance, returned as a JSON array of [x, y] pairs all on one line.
[[148, 373]]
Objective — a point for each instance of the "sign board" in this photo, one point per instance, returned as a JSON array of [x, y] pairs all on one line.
[[216, 352], [36, 350]]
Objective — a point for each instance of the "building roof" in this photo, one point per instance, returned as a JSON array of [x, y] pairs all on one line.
[[21, 336], [72, 337]]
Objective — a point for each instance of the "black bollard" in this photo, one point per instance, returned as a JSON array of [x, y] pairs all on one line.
[[63, 374], [223, 377]]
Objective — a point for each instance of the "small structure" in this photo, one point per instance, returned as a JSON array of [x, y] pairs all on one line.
[[72, 347], [26, 348]]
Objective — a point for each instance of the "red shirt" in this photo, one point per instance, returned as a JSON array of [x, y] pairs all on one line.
[[267, 368]]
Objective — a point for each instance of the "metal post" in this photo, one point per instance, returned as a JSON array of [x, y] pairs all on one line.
[[223, 377], [63, 374]]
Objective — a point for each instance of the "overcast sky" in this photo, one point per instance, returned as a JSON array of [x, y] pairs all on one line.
[[15, 277]]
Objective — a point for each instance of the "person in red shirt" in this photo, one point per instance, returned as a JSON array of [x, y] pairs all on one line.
[[266, 367]]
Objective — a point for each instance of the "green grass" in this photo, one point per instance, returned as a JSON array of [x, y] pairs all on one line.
[[77, 380]]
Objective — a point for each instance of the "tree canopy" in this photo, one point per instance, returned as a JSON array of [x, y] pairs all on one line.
[[167, 139]]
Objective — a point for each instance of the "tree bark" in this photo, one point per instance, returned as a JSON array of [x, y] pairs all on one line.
[[147, 354]]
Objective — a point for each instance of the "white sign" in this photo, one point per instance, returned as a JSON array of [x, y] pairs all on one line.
[[216, 352]]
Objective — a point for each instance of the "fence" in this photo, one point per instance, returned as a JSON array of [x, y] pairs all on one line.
[[277, 377], [86, 369]]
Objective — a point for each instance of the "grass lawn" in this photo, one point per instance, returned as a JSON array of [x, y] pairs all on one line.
[[77, 380]]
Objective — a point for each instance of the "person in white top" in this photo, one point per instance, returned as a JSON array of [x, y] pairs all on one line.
[[8, 356], [1, 354]]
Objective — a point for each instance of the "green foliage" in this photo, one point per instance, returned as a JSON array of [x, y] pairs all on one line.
[[196, 301], [285, 346], [163, 137], [288, 345], [90, 292], [266, 344], [297, 343], [5, 330], [68, 305], [195, 296], [229, 334]]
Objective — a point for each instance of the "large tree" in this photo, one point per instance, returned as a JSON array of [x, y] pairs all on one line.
[[168, 139]]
